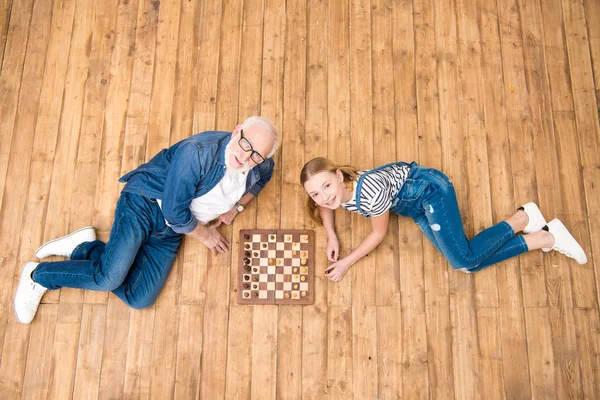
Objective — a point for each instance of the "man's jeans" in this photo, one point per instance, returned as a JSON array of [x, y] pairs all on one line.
[[429, 198], [135, 262]]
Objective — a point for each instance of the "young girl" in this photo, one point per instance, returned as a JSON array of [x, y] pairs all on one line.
[[428, 196]]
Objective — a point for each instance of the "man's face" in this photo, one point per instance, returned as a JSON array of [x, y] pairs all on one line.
[[241, 152]]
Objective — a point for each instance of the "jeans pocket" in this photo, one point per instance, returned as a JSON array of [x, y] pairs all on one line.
[[440, 177]]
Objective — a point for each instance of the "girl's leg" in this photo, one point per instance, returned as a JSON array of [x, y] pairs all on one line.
[[443, 216], [423, 224]]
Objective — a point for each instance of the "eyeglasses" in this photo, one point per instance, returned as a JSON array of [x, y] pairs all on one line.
[[247, 147]]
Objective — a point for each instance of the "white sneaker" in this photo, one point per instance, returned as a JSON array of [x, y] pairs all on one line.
[[28, 296], [564, 242], [536, 219], [65, 245]]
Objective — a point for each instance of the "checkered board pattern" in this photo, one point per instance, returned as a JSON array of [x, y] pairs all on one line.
[[276, 266]]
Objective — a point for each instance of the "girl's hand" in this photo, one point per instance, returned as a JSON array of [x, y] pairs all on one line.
[[333, 248], [336, 271]]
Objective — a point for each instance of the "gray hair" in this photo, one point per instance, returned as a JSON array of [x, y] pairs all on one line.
[[266, 125]]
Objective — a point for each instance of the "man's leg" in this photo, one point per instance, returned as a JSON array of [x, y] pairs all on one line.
[[150, 269], [96, 266]]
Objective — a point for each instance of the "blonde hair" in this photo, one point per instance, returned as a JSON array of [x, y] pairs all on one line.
[[315, 167]]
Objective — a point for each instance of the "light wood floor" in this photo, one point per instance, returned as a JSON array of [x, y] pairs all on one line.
[[502, 95]]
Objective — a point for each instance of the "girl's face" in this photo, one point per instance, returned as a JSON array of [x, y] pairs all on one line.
[[327, 189]]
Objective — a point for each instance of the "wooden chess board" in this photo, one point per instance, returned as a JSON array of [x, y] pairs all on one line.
[[276, 266]]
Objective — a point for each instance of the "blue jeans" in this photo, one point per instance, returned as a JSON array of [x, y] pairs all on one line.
[[135, 262], [428, 197]]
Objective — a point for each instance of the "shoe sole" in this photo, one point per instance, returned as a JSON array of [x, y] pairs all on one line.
[[63, 237], [568, 233], [538, 213], [14, 308]]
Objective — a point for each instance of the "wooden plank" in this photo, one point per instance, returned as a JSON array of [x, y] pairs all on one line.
[[387, 289], [16, 338], [242, 354], [454, 146], [189, 351], [339, 346], [511, 318], [363, 273], [587, 325], [114, 355], [435, 278], [520, 128], [541, 359], [491, 385], [212, 379], [314, 342], [92, 124], [39, 354], [10, 79], [189, 339], [46, 131], [338, 130], [588, 130], [389, 352], [5, 8], [65, 346], [410, 239], [558, 277], [139, 354], [479, 214], [164, 350], [89, 355], [592, 15], [290, 327]]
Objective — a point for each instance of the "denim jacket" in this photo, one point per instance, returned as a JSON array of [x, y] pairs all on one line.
[[186, 170]]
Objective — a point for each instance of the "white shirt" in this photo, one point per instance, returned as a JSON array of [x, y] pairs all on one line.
[[220, 199]]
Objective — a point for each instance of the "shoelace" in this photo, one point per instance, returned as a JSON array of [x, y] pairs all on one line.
[[34, 299]]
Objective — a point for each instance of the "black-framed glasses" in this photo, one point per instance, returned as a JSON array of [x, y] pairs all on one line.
[[247, 147]]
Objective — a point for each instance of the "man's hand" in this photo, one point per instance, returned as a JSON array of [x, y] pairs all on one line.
[[229, 216], [209, 236]]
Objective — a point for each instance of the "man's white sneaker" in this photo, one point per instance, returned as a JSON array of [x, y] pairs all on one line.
[[564, 242], [28, 296], [65, 245], [536, 219]]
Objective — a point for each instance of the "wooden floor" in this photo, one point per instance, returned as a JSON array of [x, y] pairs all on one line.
[[502, 95]]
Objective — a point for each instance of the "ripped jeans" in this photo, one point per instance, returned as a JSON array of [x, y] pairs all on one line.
[[428, 197]]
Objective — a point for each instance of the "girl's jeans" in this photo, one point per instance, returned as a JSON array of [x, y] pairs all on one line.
[[429, 198], [135, 262]]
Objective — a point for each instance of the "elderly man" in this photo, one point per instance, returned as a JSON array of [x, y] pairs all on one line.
[[188, 189]]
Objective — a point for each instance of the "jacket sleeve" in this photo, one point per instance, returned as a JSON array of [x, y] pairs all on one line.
[[266, 171], [183, 178]]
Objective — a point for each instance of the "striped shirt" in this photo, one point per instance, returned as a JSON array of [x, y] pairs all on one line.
[[379, 187]]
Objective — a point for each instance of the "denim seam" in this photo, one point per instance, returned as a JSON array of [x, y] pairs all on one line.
[[459, 251], [521, 244]]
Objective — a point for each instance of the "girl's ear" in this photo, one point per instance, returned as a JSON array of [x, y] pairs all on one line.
[[339, 175]]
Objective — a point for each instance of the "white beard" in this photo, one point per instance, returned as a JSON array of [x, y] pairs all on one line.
[[244, 169]]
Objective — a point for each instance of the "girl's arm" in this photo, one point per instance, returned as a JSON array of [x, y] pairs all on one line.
[[333, 245], [379, 225]]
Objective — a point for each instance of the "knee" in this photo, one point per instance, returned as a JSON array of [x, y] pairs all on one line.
[[108, 285], [139, 303], [462, 265]]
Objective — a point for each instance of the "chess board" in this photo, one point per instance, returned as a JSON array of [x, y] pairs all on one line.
[[276, 266]]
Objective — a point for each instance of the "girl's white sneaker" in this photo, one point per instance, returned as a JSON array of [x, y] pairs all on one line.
[[65, 245], [536, 219], [564, 242], [28, 296]]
